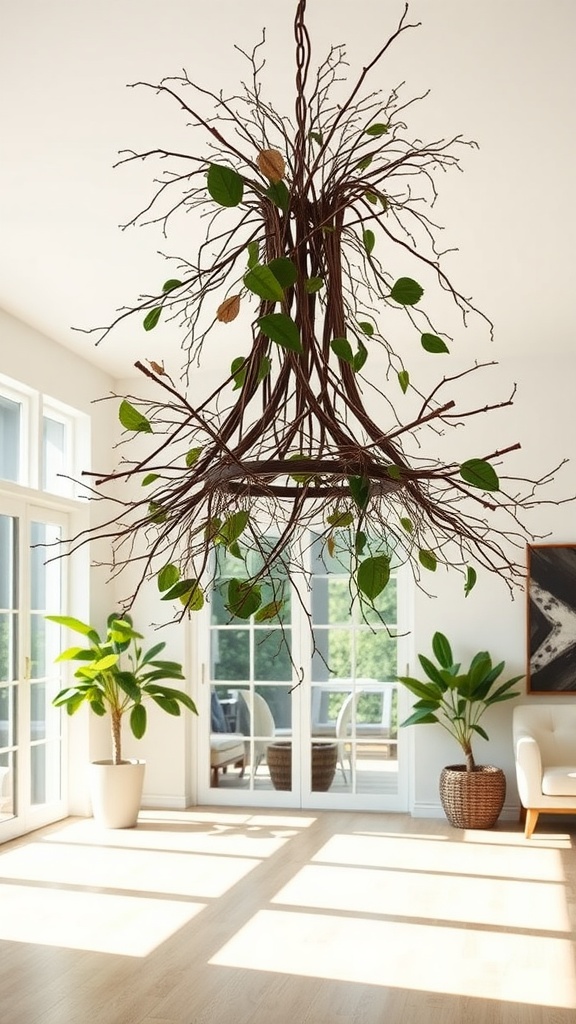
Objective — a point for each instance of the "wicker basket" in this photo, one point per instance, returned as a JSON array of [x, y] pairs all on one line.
[[472, 799], [324, 760]]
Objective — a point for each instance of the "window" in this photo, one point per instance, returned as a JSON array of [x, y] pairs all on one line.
[[43, 443]]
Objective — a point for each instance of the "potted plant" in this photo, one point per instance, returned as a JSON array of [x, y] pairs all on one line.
[[472, 795], [111, 687]]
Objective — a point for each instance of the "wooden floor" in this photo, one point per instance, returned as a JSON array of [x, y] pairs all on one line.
[[213, 916]]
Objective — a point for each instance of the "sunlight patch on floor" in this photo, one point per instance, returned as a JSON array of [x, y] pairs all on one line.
[[124, 925], [471, 962]]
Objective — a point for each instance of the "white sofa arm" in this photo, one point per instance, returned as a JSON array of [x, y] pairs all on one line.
[[528, 769]]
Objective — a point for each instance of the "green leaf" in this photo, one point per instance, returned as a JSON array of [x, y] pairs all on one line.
[[404, 380], [170, 285], [432, 343], [180, 588], [479, 473], [263, 369], [360, 542], [371, 197], [377, 129], [131, 419], [262, 282], [471, 577], [152, 318], [280, 328], [278, 194], [340, 519], [150, 478], [234, 549], [316, 137], [434, 675], [284, 271], [238, 371], [138, 717], [168, 576], [233, 527], [342, 348], [373, 575], [313, 284], [193, 599], [269, 611], [192, 456], [224, 185], [394, 472], [360, 358], [442, 650], [77, 625], [363, 164], [406, 291], [407, 524], [244, 598], [366, 327], [300, 478], [427, 559], [360, 490], [157, 513], [253, 254], [369, 239]]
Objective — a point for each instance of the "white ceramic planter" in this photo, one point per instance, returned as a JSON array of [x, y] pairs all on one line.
[[116, 792]]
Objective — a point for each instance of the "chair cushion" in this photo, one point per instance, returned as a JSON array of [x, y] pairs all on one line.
[[559, 781], [226, 747]]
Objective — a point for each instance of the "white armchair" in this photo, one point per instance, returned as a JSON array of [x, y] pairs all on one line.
[[545, 756]]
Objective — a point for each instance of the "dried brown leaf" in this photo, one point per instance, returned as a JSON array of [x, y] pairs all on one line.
[[229, 309], [157, 367], [271, 163]]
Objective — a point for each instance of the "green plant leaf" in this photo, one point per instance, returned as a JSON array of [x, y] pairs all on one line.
[[404, 380], [432, 343], [363, 164], [224, 185], [192, 599], [192, 456], [131, 419], [278, 194], [372, 575], [168, 576], [263, 369], [152, 318], [366, 327], [479, 473], [407, 524], [284, 271], [253, 254], [244, 598], [150, 478], [377, 129], [261, 281], [170, 285], [360, 358], [406, 291], [442, 650], [427, 559], [76, 625], [269, 611], [371, 197], [394, 472], [300, 478], [360, 490], [369, 240], [434, 675], [313, 284], [342, 348], [138, 717], [316, 137], [360, 542], [471, 577], [232, 527], [340, 519], [280, 328], [157, 512], [181, 588], [238, 371]]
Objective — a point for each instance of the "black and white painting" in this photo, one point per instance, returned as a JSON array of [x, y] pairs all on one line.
[[552, 618]]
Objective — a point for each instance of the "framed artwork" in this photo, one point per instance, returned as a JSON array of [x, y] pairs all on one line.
[[551, 585]]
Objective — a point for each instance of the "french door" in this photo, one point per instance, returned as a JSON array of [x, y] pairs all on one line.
[[31, 742], [303, 711]]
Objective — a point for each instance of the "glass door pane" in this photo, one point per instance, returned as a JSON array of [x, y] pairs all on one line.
[[44, 680]]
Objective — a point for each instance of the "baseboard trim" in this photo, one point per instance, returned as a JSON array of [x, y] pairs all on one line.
[[510, 812]]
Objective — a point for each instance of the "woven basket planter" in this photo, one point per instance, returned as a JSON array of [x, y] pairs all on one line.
[[472, 799], [324, 761]]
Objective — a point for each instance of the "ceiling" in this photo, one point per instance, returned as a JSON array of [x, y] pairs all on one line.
[[502, 73]]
